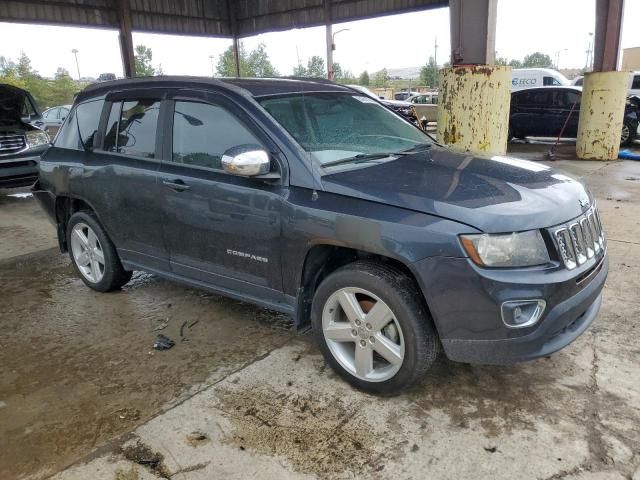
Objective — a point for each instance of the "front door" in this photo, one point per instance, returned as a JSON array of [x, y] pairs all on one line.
[[219, 228]]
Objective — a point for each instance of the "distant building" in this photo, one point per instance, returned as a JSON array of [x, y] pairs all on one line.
[[631, 59]]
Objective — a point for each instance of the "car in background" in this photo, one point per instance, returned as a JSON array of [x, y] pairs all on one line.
[[578, 81], [425, 106], [21, 141], [106, 77], [403, 108], [536, 77], [53, 118], [542, 112], [404, 95]]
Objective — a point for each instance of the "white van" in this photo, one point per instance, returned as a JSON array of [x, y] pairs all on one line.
[[536, 77]]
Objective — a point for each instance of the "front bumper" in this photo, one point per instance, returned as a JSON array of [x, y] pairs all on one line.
[[20, 170], [469, 322]]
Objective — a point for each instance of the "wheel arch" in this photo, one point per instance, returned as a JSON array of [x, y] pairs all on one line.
[[323, 259], [65, 206]]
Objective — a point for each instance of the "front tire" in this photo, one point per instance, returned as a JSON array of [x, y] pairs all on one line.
[[93, 255], [373, 327]]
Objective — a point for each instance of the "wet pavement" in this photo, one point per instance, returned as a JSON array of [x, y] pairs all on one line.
[[83, 393]]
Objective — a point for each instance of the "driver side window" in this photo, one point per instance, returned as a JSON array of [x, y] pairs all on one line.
[[203, 132]]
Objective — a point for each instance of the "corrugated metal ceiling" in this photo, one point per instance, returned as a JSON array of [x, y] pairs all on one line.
[[204, 17]]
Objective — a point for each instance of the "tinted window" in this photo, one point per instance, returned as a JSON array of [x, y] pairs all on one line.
[[81, 126], [131, 128], [203, 132], [579, 82], [636, 82], [88, 118], [547, 81], [539, 98]]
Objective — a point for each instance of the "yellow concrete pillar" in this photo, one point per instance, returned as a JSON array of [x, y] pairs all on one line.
[[601, 113], [473, 108]]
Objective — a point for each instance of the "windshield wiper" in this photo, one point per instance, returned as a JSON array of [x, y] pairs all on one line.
[[363, 157], [420, 147]]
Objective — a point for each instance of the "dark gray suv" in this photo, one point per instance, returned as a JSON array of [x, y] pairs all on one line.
[[310, 198]]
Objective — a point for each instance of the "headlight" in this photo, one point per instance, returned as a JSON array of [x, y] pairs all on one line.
[[37, 138], [523, 249]]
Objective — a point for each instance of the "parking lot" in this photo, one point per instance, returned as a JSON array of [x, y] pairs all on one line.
[[84, 395]]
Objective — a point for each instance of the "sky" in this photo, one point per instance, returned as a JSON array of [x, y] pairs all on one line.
[[552, 27]]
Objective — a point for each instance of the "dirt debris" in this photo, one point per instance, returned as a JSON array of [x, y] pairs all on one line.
[[143, 455], [319, 435]]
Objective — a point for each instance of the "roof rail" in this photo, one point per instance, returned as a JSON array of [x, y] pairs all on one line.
[[310, 79]]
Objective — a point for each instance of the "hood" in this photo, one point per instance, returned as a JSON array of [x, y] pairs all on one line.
[[497, 194], [14, 102]]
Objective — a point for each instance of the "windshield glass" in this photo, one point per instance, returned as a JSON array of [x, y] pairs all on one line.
[[337, 126]]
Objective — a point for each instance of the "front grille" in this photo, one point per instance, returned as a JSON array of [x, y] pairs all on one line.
[[580, 240], [12, 143]]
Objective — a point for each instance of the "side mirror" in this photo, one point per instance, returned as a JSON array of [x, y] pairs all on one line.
[[246, 160]]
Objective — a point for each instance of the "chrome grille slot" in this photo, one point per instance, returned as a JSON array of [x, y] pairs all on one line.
[[580, 240], [588, 237], [12, 143]]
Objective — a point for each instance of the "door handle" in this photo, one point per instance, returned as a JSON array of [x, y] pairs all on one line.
[[177, 185]]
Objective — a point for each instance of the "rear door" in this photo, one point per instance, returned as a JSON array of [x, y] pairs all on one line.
[[219, 228], [122, 177]]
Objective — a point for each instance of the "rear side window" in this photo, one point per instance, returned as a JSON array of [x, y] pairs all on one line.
[[131, 128], [203, 132], [81, 126], [636, 82]]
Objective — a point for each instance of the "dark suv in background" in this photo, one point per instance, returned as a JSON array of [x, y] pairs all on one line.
[[546, 111], [21, 140], [312, 199]]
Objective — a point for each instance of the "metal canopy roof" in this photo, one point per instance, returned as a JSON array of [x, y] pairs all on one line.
[[215, 18]]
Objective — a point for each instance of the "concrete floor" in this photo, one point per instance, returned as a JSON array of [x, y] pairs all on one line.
[[83, 395]]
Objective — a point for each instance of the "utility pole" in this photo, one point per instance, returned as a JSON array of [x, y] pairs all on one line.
[[211, 57], [75, 53], [587, 65], [435, 52]]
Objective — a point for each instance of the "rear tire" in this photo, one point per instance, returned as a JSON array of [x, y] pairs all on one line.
[[93, 254], [627, 135], [373, 327]]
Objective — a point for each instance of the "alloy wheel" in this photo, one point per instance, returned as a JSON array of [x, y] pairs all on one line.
[[363, 334], [87, 252], [624, 136]]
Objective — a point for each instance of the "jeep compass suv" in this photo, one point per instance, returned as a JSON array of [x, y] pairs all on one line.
[[315, 200]]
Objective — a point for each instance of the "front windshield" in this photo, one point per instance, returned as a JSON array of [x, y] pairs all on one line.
[[337, 126]]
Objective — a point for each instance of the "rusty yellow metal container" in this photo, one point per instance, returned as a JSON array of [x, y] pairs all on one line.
[[601, 114], [473, 108]]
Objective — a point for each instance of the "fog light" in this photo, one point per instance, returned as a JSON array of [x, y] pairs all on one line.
[[522, 313]]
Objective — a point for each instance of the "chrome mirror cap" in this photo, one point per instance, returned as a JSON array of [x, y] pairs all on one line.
[[246, 160]]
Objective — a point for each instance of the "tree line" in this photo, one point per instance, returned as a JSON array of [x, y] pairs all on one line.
[[253, 63]]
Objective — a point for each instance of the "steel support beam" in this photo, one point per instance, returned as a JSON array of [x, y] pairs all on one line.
[[233, 24], [473, 31], [606, 49], [329, 38], [126, 41]]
